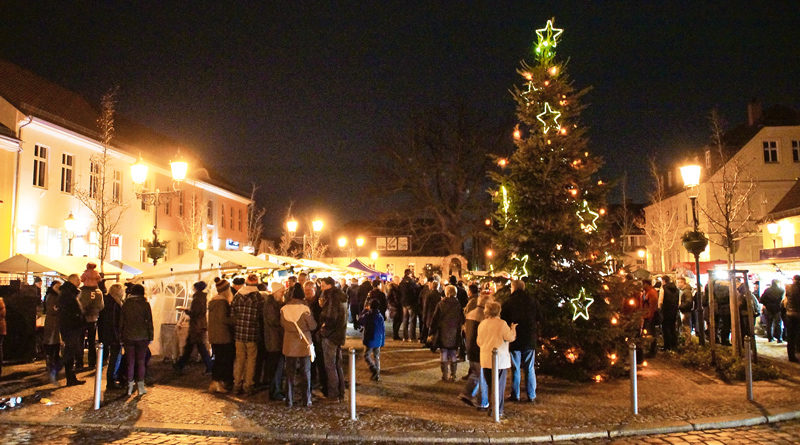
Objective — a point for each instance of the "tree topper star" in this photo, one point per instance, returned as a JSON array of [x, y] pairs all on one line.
[[549, 112], [580, 305], [548, 40]]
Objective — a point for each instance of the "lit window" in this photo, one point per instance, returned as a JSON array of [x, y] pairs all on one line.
[[210, 213], [770, 152], [40, 166], [795, 151], [231, 218], [168, 207], [240, 220], [66, 173], [94, 179], [116, 190], [222, 216], [181, 198]]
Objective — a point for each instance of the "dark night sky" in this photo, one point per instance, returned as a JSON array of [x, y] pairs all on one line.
[[297, 96]]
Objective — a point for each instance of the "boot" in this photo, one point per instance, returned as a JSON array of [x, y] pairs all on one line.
[[445, 371], [130, 387], [141, 389], [453, 367]]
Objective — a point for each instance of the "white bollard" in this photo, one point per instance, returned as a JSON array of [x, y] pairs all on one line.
[[748, 350], [495, 387], [634, 386], [98, 377], [353, 384]]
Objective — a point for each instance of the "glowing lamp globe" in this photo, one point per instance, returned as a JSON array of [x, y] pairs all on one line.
[[291, 226], [179, 169], [359, 241], [70, 223], [374, 255], [317, 225], [202, 245], [139, 172], [342, 241], [772, 228], [691, 175]]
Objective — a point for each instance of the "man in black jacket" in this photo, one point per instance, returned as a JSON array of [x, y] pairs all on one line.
[[333, 327], [669, 313], [71, 324], [409, 298], [521, 308]]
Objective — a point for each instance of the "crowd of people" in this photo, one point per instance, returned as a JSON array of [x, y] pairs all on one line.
[[287, 336], [672, 308]]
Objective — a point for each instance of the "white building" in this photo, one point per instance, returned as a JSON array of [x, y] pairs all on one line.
[[48, 137], [769, 146]]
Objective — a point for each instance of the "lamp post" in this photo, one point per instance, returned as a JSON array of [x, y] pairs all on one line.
[[69, 224], [311, 239], [374, 256], [178, 168], [773, 229], [695, 242]]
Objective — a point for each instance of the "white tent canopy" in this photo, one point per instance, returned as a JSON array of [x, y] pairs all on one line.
[[189, 263], [61, 265]]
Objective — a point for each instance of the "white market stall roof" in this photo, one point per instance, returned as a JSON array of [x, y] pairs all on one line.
[[62, 265], [189, 262], [134, 267], [287, 261]]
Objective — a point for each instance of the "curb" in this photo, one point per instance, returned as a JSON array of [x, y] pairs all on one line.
[[725, 422]]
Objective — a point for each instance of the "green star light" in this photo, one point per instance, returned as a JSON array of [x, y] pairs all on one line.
[[548, 111], [548, 40], [580, 305], [520, 268]]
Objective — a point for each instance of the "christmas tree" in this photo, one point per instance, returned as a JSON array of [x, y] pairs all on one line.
[[549, 222]]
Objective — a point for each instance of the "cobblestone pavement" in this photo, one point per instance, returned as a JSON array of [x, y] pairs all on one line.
[[410, 400], [780, 433]]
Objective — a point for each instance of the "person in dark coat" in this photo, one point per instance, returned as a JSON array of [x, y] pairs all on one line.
[[198, 326], [409, 298], [109, 333], [791, 302], [723, 312], [771, 299], [395, 307], [377, 294], [521, 309], [51, 340], [71, 326], [362, 293], [374, 337], [352, 301], [446, 331], [429, 298], [669, 313], [136, 327], [332, 331], [273, 340], [461, 295], [297, 323], [220, 335]]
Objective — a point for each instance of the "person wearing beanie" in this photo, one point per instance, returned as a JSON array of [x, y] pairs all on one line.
[[237, 284], [247, 313], [220, 334], [136, 326], [198, 326], [297, 323], [109, 334], [273, 340]]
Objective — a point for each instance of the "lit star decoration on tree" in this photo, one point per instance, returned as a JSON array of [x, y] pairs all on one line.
[[580, 305], [528, 92], [548, 40], [546, 122], [520, 267], [588, 217]]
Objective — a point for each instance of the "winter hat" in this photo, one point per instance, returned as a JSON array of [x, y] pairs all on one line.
[[252, 279], [238, 281], [137, 289], [222, 285], [276, 287], [200, 286]]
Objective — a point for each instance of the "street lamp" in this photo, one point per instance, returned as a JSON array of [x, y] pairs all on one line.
[[139, 170], [342, 242], [291, 226], [773, 228], [695, 242], [69, 224], [360, 241], [317, 225], [374, 256]]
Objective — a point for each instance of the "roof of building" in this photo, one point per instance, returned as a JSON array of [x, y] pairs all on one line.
[[36, 96], [789, 205], [5, 131]]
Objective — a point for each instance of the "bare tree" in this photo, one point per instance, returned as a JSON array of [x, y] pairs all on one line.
[[628, 221], [728, 211], [192, 222], [661, 223], [103, 198], [255, 222], [439, 163], [285, 247]]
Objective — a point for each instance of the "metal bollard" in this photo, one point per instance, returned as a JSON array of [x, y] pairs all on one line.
[[98, 377], [353, 384], [634, 386], [748, 367], [495, 387]]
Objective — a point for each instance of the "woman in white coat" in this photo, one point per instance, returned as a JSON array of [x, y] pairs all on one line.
[[493, 333]]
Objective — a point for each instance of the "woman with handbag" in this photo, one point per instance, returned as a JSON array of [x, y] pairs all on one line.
[[297, 323]]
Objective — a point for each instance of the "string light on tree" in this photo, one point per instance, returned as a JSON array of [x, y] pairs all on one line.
[[580, 305]]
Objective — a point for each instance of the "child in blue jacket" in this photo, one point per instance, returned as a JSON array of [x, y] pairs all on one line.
[[374, 335]]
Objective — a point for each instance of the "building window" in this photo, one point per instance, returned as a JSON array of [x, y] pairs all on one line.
[[770, 152], [231, 218], [168, 207], [143, 251], [116, 190], [145, 187], [222, 216], [669, 179], [181, 199], [708, 159], [180, 248], [40, 166], [240, 220], [210, 213], [94, 179], [66, 172], [795, 151]]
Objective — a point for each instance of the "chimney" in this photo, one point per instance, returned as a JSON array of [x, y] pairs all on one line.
[[753, 112]]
